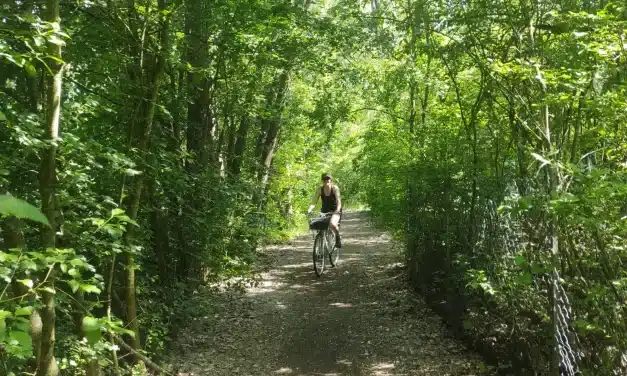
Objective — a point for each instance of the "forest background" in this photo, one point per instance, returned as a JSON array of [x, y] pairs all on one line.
[[166, 141]]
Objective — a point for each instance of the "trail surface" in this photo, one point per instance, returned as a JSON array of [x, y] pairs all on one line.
[[357, 319]]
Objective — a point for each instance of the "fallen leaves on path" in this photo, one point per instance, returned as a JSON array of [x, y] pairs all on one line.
[[357, 319]]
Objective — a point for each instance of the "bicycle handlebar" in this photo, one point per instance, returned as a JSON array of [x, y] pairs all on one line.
[[322, 214]]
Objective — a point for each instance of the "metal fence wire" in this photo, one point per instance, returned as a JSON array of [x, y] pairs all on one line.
[[567, 342]]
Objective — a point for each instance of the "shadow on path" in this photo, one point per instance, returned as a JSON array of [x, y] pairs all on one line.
[[357, 319]]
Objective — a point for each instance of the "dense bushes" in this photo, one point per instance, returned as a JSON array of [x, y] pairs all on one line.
[[508, 173], [165, 143]]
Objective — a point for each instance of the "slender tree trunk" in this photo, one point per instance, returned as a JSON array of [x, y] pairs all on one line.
[[109, 306], [230, 143], [92, 368], [236, 154], [272, 133], [259, 144], [268, 157], [151, 78], [47, 363], [201, 125], [470, 126], [160, 232], [240, 146], [273, 96]]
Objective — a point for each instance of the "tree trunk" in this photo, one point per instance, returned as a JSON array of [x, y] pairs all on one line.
[[264, 125], [151, 78], [92, 368], [160, 232], [272, 132], [230, 143], [47, 363], [236, 154], [411, 120], [240, 146], [201, 125], [273, 99]]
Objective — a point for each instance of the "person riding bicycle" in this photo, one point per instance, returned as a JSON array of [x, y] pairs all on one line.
[[331, 203]]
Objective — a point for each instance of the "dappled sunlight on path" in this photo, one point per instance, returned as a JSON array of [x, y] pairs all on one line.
[[357, 319]]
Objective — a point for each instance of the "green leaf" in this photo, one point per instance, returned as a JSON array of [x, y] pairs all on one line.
[[24, 311], [116, 212], [31, 71], [525, 279], [39, 41], [91, 324], [131, 172], [538, 268], [3, 330], [29, 264], [127, 219], [584, 325], [78, 262], [74, 285], [91, 327], [4, 314], [49, 289], [74, 272], [26, 282], [468, 324], [2, 116], [21, 338], [56, 40], [21, 209], [121, 330], [520, 260], [90, 288]]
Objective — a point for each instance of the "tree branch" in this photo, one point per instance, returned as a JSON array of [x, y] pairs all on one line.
[[149, 363]]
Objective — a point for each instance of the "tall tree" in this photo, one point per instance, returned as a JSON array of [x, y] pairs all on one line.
[[147, 73], [47, 365]]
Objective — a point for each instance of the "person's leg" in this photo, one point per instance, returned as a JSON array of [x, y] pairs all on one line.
[[335, 220]]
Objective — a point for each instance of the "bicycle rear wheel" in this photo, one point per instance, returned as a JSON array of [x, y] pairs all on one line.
[[318, 254]]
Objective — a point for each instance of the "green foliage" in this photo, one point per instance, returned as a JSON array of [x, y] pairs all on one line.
[[487, 136], [20, 209], [480, 185], [158, 104]]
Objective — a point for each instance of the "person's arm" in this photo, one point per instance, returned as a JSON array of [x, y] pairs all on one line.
[[314, 201], [339, 200]]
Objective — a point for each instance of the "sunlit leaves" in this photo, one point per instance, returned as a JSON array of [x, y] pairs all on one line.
[[91, 327], [555, 100], [14, 206]]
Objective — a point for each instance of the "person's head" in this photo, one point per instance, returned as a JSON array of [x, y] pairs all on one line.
[[326, 178]]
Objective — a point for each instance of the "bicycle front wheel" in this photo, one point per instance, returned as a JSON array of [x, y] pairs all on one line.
[[318, 254], [334, 252]]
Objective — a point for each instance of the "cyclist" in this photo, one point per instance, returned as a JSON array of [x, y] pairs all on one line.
[[331, 203]]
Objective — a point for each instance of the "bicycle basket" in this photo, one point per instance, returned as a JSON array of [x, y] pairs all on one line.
[[319, 224]]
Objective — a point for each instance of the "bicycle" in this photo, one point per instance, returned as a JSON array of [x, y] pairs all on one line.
[[322, 248]]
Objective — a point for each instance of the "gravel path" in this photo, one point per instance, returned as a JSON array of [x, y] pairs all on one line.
[[357, 319]]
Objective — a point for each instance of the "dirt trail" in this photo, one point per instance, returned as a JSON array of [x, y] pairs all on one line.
[[357, 319]]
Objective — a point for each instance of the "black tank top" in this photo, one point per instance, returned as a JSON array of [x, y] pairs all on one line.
[[329, 203]]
